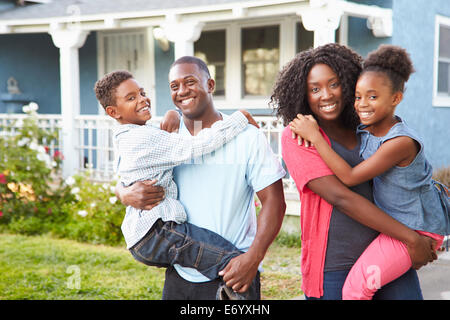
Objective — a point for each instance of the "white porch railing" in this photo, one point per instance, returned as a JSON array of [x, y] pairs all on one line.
[[95, 144], [48, 122]]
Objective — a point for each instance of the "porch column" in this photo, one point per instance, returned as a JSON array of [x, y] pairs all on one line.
[[183, 34], [323, 18], [69, 41]]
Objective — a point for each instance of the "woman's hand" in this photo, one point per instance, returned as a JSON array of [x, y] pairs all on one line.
[[141, 195], [249, 118], [305, 128], [170, 122], [422, 250]]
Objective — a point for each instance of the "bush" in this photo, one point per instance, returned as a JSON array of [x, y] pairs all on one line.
[[31, 198], [96, 215], [443, 176], [35, 200]]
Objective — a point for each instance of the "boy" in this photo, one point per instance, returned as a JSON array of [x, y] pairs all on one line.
[[147, 153]]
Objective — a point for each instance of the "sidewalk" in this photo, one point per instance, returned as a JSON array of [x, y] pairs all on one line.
[[435, 278]]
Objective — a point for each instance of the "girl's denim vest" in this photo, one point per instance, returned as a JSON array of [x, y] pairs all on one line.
[[408, 194]]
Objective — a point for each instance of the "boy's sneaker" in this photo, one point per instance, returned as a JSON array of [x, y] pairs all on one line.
[[226, 293]]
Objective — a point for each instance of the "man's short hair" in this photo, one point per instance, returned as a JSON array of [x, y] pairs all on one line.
[[105, 87], [192, 60]]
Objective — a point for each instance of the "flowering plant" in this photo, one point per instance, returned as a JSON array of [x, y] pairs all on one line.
[[35, 200], [96, 215], [30, 195]]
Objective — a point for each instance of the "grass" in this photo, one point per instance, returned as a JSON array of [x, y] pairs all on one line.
[[44, 268]]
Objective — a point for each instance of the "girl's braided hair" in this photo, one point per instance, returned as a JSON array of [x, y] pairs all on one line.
[[289, 96]]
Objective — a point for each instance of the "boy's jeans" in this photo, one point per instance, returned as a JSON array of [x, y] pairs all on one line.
[[169, 243]]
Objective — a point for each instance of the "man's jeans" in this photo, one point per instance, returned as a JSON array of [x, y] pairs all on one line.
[[406, 287], [169, 243], [177, 288]]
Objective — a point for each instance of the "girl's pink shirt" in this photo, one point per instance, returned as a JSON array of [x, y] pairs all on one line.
[[305, 164]]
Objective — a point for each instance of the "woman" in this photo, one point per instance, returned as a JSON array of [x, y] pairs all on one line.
[[337, 223]]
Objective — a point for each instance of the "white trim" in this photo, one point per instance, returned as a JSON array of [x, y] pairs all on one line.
[[438, 100], [233, 84], [206, 13], [149, 60]]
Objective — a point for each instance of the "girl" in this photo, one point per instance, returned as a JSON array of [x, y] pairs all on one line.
[[337, 222], [395, 160]]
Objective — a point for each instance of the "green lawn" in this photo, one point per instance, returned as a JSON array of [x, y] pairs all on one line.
[[42, 267]]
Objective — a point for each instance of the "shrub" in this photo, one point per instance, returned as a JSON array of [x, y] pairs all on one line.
[[442, 175], [30, 197], [96, 215], [35, 200]]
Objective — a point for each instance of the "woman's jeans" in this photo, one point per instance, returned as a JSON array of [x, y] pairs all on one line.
[[407, 287], [169, 243]]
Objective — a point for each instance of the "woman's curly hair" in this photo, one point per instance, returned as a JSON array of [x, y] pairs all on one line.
[[290, 97]]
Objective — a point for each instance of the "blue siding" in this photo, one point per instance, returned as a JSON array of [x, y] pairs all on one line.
[[361, 38], [33, 61], [431, 123], [163, 61], [88, 75]]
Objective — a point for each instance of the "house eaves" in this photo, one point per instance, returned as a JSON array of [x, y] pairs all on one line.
[[111, 14]]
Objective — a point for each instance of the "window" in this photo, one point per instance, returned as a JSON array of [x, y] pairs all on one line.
[[260, 59], [244, 57], [442, 63], [211, 49], [305, 38]]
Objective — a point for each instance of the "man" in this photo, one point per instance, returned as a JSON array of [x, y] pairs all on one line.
[[217, 191]]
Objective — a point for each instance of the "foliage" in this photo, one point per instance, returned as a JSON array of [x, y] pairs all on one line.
[[96, 215], [442, 175], [30, 197], [34, 200]]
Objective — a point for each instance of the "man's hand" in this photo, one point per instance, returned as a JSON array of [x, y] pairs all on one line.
[[240, 272], [141, 195]]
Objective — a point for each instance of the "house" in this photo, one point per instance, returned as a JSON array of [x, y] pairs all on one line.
[[53, 51]]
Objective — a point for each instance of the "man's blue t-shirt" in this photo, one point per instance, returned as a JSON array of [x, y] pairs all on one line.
[[217, 190]]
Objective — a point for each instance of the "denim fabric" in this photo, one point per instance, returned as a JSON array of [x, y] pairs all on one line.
[[408, 194], [169, 243], [177, 288], [407, 287]]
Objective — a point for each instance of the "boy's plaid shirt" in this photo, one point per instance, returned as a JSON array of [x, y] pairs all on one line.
[[146, 153]]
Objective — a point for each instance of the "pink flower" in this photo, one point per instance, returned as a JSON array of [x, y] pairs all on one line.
[[58, 155], [2, 178], [1, 214]]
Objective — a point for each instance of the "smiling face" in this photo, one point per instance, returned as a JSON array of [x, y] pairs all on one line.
[[375, 101], [324, 93], [132, 105], [191, 89]]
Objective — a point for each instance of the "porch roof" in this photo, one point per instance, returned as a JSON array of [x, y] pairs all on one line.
[[112, 14], [60, 8]]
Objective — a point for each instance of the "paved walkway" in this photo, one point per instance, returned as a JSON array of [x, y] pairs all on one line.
[[435, 278]]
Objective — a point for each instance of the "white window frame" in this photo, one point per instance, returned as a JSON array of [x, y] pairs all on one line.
[[233, 98], [439, 100]]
